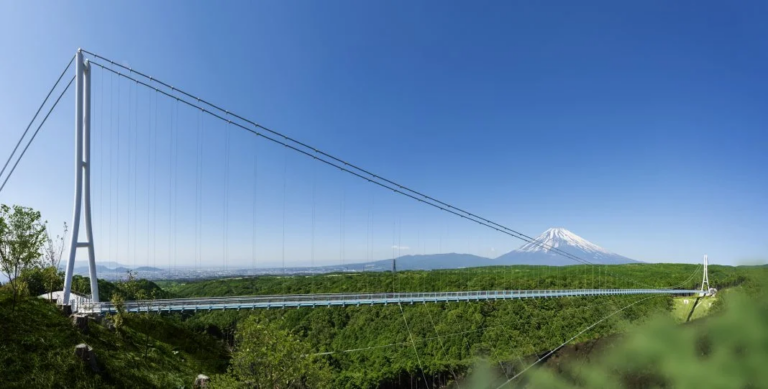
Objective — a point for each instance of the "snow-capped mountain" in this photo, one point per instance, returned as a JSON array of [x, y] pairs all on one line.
[[540, 251]]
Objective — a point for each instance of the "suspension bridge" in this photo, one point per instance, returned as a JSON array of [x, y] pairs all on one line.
[[360, 299], [145, 135]]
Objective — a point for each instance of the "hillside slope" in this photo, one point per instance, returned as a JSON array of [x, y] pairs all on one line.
[[37, 351]]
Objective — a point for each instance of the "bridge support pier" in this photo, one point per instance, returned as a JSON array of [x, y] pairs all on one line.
[[82, 180]]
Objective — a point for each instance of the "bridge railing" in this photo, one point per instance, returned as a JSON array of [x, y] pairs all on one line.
[[346, 299]]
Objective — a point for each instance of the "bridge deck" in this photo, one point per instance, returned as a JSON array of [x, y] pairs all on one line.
[[346, 299]]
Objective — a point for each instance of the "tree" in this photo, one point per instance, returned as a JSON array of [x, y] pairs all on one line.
[[127, 287], [35, 281], [22, 236], [118, 318], [139, 291], [266, 356], [52, 252]]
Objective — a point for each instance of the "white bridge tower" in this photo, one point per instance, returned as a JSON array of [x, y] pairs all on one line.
[[705, 288], [82, 179]]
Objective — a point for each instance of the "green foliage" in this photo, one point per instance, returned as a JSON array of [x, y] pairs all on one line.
[[267, 356], [52, 253], [129, 289], [118, 318], [37, 348], [368, 347], [175, 355], [45, 276], [40, 280], [37, 351], [22, 235], [727, 351], [682, 310], [343, 347], [487, 278]]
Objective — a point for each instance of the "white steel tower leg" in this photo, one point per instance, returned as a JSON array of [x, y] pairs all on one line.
[[82, 178], [87, 183], [705, 280]]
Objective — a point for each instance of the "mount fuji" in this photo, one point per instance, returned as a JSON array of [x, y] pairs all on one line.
[[540, 251], [537, 252]]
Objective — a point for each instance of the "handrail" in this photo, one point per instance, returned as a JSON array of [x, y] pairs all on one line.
[[343, 299]]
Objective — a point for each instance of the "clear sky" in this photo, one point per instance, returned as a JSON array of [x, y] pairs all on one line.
[[641, 127]]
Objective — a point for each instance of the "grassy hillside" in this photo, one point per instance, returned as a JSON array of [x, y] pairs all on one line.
[[682, 306], [37, 351]]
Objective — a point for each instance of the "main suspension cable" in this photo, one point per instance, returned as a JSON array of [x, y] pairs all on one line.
[[35, 117], [348, 169], [336, 162], [413, 193], [10, 172]]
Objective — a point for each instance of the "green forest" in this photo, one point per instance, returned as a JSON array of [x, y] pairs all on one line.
[[372, 346], [676, 276], [408, 346]]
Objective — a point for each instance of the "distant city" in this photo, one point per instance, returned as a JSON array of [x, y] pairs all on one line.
[[188, 273], [540, 251]]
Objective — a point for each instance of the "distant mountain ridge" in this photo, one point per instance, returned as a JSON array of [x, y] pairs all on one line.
[[79, 264], [424, 262], [147, 268], [538, 252], [106, 267]]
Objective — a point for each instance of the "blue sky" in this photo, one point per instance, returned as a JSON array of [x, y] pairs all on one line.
[[640, 127]]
